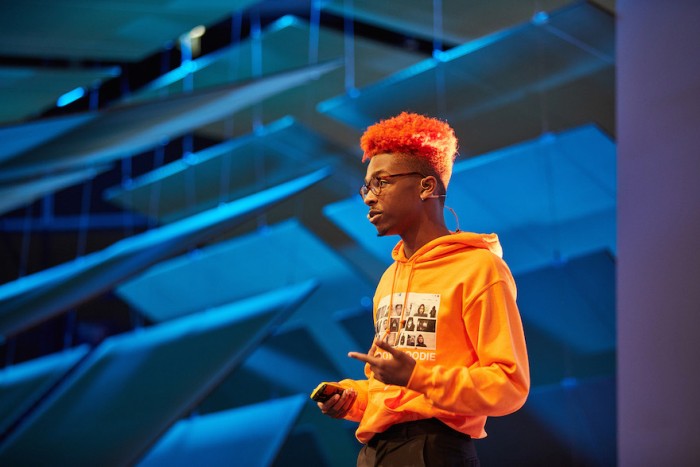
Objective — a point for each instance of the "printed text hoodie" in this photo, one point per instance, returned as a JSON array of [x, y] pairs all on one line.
[[451, 306]]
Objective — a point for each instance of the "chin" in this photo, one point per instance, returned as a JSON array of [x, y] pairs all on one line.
[[380, 231], [383, 232]]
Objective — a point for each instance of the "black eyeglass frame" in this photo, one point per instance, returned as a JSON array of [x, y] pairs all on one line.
[[377, 188]]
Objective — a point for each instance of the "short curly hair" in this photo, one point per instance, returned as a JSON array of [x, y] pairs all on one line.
[[430, 141]]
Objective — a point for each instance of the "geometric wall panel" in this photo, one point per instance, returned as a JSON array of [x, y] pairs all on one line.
[[548, 199], [289, 43], [134, 386], [22, 385], [229, 170], [22, 137], [460, 21], [572, 423], [129, 129], [15, 195], [245, 266], [255, 263], [573, 303], [249, 436], [31, 299], [549, 74], [28, 90], [581, 415], [126, 31]]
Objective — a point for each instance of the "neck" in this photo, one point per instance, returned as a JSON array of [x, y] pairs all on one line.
[[427, 232]]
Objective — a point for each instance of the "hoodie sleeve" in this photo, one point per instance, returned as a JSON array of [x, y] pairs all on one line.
[[358, 407], [497, 383]]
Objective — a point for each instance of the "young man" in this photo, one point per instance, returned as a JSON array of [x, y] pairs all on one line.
[[423, 405]]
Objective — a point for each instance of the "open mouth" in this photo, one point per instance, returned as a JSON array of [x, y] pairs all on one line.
[[373, 215]]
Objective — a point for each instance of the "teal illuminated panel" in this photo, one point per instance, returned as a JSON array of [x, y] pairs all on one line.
[[122, 131], [229, 170], [228, 271], [250, 436], [459, 21], [572, 303], [36, 297], [134, 386], [546, 75], [288, 43], [22, 385], [548, 199]]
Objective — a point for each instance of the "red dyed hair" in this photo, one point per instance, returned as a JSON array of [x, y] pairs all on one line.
[[416, 135]]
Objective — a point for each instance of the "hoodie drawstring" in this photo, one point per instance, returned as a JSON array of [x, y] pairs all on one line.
[[402, 321]]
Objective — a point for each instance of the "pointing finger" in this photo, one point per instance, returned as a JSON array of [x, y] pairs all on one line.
[[362, 357]]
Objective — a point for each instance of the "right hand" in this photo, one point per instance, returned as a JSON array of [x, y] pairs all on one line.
[[338, 405]]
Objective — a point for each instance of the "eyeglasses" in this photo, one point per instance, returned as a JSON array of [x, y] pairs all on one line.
[[376, 184]]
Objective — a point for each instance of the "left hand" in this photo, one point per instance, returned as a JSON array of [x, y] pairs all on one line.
[[338, 405], [396, 370]]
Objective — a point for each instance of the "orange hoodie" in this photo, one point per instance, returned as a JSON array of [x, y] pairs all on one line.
[[451, 306]]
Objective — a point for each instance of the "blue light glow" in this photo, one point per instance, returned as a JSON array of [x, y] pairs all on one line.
[[540, 18], [70, 97], [283, 22]]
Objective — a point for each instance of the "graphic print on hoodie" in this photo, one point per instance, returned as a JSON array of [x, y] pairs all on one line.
[[409, 321]]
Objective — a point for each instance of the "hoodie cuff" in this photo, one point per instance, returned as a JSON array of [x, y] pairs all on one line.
[[421, 379]]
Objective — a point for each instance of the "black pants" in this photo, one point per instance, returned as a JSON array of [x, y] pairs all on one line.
[[423, 443]]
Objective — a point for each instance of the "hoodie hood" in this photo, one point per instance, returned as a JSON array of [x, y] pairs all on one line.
[[448, 244]]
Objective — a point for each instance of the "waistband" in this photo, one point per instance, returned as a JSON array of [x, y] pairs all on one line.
[[418, 427]]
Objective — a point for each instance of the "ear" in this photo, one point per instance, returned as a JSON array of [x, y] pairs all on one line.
[[428, 187]]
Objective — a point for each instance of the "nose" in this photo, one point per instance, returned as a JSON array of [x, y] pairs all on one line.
[[370, 198]]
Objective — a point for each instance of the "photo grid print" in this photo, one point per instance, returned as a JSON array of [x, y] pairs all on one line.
[[412, 327]]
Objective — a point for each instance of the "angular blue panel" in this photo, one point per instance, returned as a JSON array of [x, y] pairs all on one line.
[[573, 303], [39, 296], [279, 255], [23, 193], [351, 216], [134, 386], [29, 89], [522, 81], [20, 138], [459, 21], [122, 131], [548, 199], [581, 414], [232, 169], [572, 423], [23, 385], [285, 44], [123, 32], [228, 271], [244, 436]]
